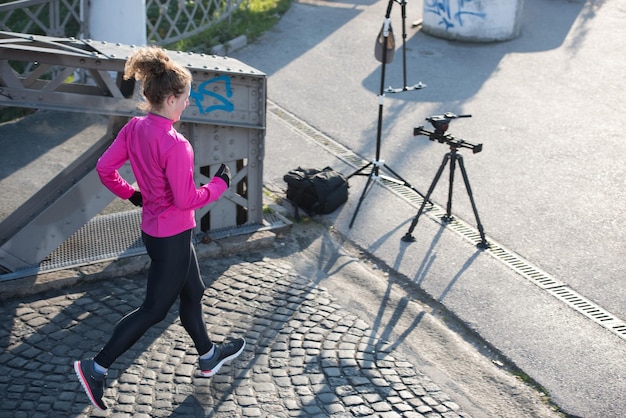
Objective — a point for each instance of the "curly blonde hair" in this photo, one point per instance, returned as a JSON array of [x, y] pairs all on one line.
[[161, 77]]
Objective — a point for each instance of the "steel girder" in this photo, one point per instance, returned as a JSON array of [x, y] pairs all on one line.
[[225, 123]]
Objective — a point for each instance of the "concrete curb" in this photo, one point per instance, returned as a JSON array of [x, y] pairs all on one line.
[[230, 46]]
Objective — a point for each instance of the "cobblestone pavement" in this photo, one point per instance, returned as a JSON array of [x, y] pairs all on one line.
[[305, 355]]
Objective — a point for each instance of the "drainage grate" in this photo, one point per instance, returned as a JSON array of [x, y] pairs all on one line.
[[115, 236], [518, 264], [103, 238]]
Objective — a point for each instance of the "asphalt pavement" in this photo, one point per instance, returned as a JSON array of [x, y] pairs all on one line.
[[548, 184], [327, 338]]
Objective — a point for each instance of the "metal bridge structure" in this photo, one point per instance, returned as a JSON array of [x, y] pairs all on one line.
[[167, 21], [225, 123]]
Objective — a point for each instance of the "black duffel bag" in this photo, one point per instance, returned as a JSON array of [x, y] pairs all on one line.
[[316, 191]]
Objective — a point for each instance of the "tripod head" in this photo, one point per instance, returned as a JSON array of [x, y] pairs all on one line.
[[441, 124]]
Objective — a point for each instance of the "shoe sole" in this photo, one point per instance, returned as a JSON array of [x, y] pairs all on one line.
[[83, 381], [218, 366]]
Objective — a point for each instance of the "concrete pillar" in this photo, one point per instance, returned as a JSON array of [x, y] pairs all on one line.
[[473, 20], [118, 21]]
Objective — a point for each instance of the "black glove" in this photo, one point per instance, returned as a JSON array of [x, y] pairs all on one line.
[[224, 173], [136, 199]]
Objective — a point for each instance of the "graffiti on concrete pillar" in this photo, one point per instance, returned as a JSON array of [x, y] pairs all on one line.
[[453, 12], [221, 101]]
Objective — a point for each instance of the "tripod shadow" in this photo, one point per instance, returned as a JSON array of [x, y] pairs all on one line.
[[388, 332], [398, 336], [458, 275], [430, 256], [379, 243]]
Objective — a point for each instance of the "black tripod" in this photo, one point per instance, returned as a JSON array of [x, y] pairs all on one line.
[[375, 165], [441, 124]]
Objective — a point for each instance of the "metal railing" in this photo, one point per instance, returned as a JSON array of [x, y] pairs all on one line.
[[167, 21], [172, 20], [43, 17]]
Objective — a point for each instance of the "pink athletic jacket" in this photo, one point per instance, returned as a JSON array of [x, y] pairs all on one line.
[[162, 160]]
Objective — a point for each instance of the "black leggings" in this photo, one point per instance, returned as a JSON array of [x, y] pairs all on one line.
[[173, 273]]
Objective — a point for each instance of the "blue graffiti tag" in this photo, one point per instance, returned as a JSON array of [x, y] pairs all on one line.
[[450, 15], [202, 91]]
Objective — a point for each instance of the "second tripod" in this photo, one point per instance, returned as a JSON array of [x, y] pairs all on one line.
[[386, 41], [441, 123]]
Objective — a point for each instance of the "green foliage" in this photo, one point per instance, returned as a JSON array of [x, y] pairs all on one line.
[[20, 20], [252, 19]]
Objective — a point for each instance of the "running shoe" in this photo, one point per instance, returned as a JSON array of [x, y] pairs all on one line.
[[92, 382], [223, 353]]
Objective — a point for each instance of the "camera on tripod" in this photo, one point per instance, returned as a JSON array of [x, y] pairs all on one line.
[[452, 157], [441, 123]]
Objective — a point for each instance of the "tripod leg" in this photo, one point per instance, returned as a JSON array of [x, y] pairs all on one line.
[[403, 10], [368, 185], [453, 158], [408, 237], [404, 182], [483, 241], [360, 170], [375, 165]]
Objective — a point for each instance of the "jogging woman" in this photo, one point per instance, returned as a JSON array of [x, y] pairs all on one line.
[[162, 161]]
